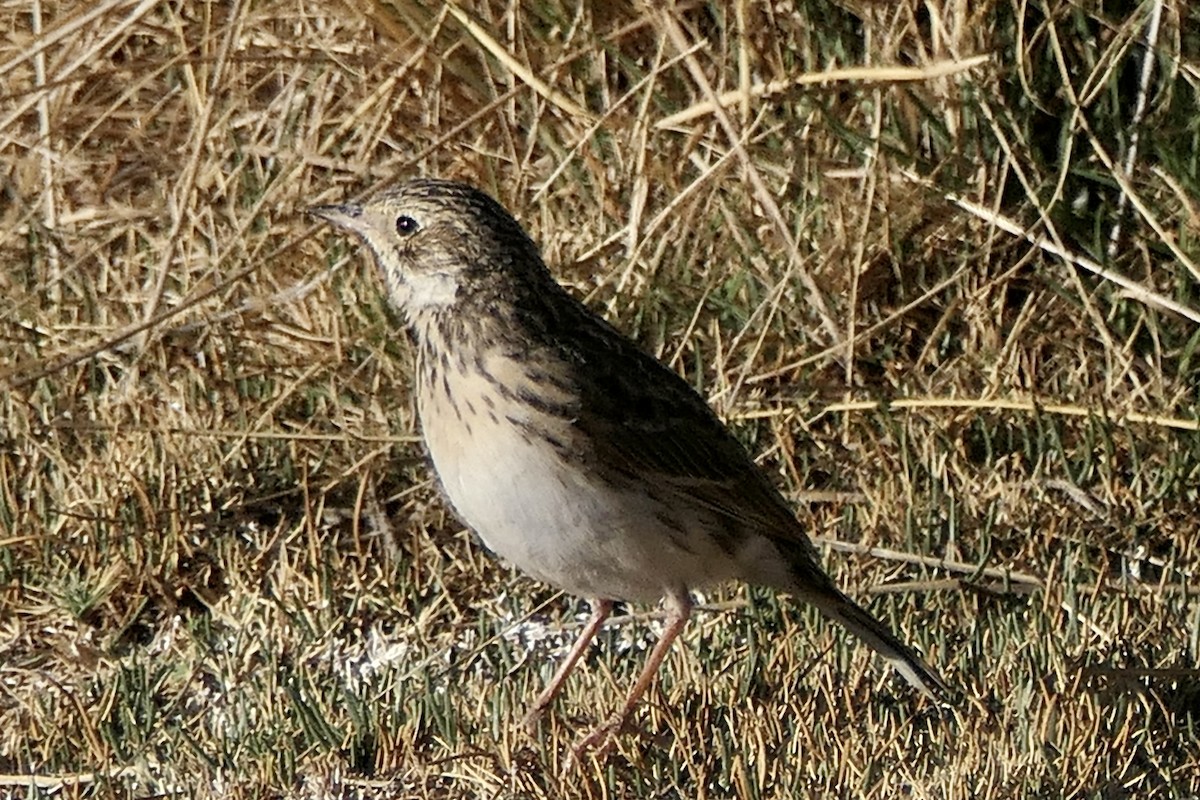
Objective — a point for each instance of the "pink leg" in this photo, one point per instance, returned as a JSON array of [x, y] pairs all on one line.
[[601, 609], [679, 606]]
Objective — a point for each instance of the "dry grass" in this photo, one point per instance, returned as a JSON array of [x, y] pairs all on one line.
[[224, 571]]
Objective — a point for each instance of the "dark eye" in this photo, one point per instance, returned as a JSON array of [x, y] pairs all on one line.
[[406, 226]]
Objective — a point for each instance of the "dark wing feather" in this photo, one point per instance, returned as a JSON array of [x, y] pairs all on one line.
[[644, 421]]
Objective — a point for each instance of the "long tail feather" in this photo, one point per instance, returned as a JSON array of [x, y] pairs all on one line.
[[841, 609]]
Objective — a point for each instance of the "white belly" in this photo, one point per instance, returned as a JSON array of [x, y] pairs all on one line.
[[556, 522]]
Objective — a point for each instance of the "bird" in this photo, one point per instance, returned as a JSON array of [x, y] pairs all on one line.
[[570, 451]]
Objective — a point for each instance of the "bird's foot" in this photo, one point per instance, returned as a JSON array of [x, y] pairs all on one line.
[[533, 718], [600, 741]]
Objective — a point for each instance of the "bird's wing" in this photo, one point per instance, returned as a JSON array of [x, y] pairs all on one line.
[[645, 422]]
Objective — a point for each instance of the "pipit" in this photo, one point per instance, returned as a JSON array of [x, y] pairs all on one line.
[[571, 452]]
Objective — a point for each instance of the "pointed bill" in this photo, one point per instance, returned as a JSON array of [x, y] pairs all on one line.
[[348, 215]]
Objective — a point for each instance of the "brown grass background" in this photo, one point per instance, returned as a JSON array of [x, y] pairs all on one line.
[[224, 571]]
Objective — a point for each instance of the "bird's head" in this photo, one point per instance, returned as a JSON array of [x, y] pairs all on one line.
[[441, 244]]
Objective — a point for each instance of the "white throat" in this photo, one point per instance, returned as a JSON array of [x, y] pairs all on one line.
[[425, 292]]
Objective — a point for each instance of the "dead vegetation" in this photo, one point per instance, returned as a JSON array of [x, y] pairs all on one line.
[[936, 261]]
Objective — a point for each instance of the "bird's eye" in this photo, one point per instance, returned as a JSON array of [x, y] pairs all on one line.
[[406, 226]]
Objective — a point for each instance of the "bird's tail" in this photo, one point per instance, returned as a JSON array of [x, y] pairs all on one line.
[[841, 609]]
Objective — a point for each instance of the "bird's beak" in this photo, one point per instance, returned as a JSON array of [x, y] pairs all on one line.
[[348, 216]]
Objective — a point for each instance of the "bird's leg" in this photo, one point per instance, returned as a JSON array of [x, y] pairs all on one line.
[[601, 609], [679, 608]]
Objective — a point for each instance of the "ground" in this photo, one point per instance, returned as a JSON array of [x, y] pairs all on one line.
[[934, 262]]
